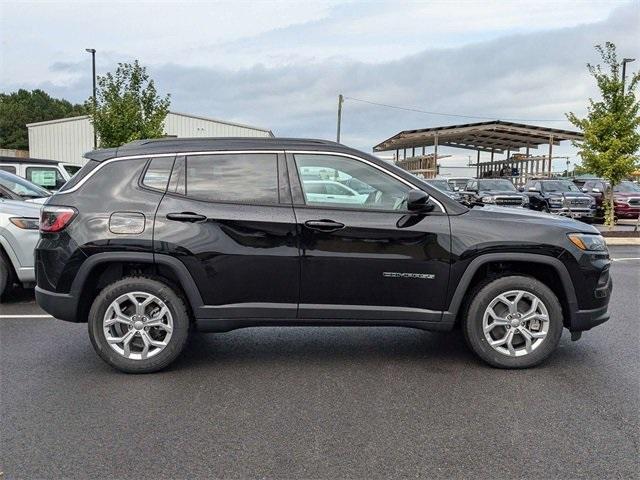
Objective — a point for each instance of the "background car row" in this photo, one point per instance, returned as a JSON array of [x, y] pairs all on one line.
[[583, 200]]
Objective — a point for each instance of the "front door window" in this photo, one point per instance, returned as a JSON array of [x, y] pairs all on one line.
[[334, 181]]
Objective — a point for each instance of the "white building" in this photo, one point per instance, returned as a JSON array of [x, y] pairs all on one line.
[[68, 139]]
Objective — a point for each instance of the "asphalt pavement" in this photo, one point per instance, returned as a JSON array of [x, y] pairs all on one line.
[[322, 403]]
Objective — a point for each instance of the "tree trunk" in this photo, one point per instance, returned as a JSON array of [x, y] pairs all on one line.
[[612, 215]]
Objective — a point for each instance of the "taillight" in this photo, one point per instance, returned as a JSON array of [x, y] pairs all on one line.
[[25, 223], [55, 219]]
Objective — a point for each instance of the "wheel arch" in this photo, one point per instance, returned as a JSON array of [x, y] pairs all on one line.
[[541, 267], [102, 268]]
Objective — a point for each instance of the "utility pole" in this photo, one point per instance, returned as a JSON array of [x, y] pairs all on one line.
[[340, 102], [92, 51]]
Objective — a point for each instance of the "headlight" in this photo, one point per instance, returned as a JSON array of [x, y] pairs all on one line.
[[488, 200], [25, 223], [588, 241]]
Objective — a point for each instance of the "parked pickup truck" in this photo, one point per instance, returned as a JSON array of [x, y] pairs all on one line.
[[626, 197], [561, 197]]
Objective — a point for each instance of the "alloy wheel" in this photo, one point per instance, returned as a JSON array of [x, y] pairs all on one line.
[[515, 323], [137, 325]]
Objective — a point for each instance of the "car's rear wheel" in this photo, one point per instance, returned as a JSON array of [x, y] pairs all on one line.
[[513, 322], [138, 324]]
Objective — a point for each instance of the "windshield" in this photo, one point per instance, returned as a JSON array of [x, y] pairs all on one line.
[[459, 183], [21, 187], [627, 187], [441, 185], [560, 186], [500, 185]]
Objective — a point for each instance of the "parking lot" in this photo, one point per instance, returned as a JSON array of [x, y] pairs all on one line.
[[322, 403]]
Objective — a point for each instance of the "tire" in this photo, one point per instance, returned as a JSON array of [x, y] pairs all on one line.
[[171, 328], [6, 276], [520, 355]]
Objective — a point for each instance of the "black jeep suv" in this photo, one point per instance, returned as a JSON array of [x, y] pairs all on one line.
[[158, 236]]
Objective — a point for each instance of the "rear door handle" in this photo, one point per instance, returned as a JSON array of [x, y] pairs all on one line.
[[324, 225], [186, 217]]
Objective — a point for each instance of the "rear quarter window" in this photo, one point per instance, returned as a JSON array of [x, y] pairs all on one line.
[[157, 174]]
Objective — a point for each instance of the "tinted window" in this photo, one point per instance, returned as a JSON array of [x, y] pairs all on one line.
[[157, 174], [245, 177], [8, 168], [47, 177], [324, 177], [72, 169]]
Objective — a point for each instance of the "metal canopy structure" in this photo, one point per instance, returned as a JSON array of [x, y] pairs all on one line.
[[493, 137], [496, 136]]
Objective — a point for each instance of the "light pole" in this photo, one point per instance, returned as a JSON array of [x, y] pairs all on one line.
[[340, 102], [92, 51], [624, 70]]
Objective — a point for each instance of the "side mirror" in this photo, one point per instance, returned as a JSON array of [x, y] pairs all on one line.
[[533, 189], [595, 190], [418, 201], [585, 189]]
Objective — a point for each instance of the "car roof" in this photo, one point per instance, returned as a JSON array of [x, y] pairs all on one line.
[[37, 161], [203, 144]]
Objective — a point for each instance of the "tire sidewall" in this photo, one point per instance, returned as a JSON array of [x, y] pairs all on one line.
[[173, 302], [473, 322], [4, 274]]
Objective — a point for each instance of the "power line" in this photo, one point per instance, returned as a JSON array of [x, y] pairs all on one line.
[[475, 117]]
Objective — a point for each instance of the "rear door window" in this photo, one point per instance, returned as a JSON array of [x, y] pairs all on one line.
[[238, 177], [8, 168]]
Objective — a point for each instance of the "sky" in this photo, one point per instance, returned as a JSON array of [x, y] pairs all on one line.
[[281, 64]]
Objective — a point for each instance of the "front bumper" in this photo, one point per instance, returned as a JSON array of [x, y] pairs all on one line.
[[626, 211], [582, 320], [573, 213], [62, 306]]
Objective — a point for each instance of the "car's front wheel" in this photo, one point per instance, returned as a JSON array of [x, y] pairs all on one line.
[[138, 324], [513, 322]]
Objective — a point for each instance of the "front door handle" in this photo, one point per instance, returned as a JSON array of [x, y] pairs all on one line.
[[324, 225], [186, 217]]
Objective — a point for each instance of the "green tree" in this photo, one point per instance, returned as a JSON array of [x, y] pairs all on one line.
[[24, 106], [127, 106], [611, 137]]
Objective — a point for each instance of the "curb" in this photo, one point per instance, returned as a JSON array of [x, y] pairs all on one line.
[[622, 240]]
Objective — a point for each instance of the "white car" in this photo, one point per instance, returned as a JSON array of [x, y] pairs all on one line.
[[329, 191], [48, 174], [20, 203]]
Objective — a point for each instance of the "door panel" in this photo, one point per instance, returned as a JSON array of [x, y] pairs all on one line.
[[371, 260], [372, 269], [244, 258]]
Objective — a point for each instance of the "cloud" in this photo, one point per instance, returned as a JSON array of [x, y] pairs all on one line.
[[530, 75]]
